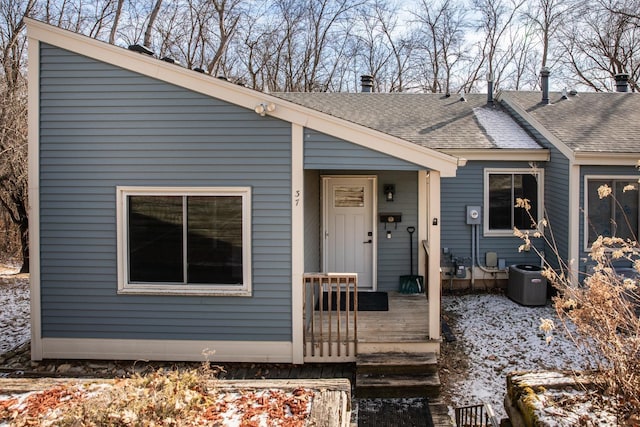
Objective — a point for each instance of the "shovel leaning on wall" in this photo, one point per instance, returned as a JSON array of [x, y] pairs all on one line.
[[411, 283]]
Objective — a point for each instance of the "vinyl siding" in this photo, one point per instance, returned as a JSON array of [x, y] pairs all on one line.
[[312, 222], [103, 127], [557, 189], [323, 151], [393, 254], [467, 188]]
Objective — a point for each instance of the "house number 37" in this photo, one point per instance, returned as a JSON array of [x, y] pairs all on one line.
[[297, 197]]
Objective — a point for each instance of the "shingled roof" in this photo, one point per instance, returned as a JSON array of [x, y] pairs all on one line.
[[586, 122], [434, 121]]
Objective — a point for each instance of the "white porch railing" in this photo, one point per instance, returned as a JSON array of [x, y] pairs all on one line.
[[330, 317]]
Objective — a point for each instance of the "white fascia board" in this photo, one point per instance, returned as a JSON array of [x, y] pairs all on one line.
[[523, 155], [561, 146], [607, 159], [241, 96]]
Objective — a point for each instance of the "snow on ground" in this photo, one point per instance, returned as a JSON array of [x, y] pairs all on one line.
[[14, 309], [494, 337], [499, 336]]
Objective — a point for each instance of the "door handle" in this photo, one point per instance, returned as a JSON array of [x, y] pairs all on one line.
[[368, 241]]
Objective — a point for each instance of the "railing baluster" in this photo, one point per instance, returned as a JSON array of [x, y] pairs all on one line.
[[324, 328], [476, 416]]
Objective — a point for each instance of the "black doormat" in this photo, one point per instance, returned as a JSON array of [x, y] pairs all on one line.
[[367, 301], [413, 411]]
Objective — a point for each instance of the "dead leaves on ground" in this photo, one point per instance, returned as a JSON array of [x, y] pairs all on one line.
[[161, 400]]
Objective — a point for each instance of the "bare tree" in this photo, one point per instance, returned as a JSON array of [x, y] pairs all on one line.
[[370, 49], [601, 45], [441, 27], [151, 22], [496, 18], [13, 120], [116, 20], [547, 16]]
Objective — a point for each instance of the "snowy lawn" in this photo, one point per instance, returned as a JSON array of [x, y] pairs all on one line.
[[495, 336], [14, 309]]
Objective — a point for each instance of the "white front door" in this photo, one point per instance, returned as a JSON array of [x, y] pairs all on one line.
[[349, 227]]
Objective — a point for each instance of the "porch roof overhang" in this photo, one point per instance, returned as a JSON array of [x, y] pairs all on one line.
[[428, 158]]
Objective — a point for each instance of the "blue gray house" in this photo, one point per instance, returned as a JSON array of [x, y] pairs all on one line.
[[174, 213], [593, 139]]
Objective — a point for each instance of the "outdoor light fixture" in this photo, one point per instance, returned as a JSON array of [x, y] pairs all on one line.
[[263, 108], [388, 234], [389, 191]]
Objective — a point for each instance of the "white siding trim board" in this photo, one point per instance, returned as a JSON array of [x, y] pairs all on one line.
[[297, 242], [34, 196], [167, 350]]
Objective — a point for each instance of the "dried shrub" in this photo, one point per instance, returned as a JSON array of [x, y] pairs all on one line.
[[603, 307]]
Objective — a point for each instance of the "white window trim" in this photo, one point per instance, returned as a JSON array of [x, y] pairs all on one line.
[[124, 287], [585, 202], [521, 171]]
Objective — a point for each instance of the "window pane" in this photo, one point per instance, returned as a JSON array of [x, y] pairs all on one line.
[[627, 213], [349, 197], [155, 239], [525, 186], [500, 202], [214, 242], [599, 210]]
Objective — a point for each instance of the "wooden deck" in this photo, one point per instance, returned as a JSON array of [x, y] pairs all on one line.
[[406, 321], [404, 328]]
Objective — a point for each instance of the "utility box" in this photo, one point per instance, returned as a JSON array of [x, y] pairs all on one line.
[[473, 215], [526, 285]]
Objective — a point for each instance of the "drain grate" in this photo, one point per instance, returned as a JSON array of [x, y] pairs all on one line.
[[412, 411]]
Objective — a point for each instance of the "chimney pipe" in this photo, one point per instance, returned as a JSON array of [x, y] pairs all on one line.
[[544, 77], [490, 88], [622, 82], [366, 81]]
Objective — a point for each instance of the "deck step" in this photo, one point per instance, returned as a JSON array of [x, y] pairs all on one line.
[[440, 414], [397, 362], [398, 385], [425, 346]]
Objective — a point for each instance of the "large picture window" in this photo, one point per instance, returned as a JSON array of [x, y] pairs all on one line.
[[616, 215], [502, 188], [185, 241]]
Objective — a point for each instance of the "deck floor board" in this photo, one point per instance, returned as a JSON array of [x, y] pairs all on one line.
[[406, 321]]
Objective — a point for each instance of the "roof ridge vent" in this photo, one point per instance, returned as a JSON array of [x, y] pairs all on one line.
[[622, 82], [141, 49], [170, 60], [366, 83], [490, 88], [544, 82]]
